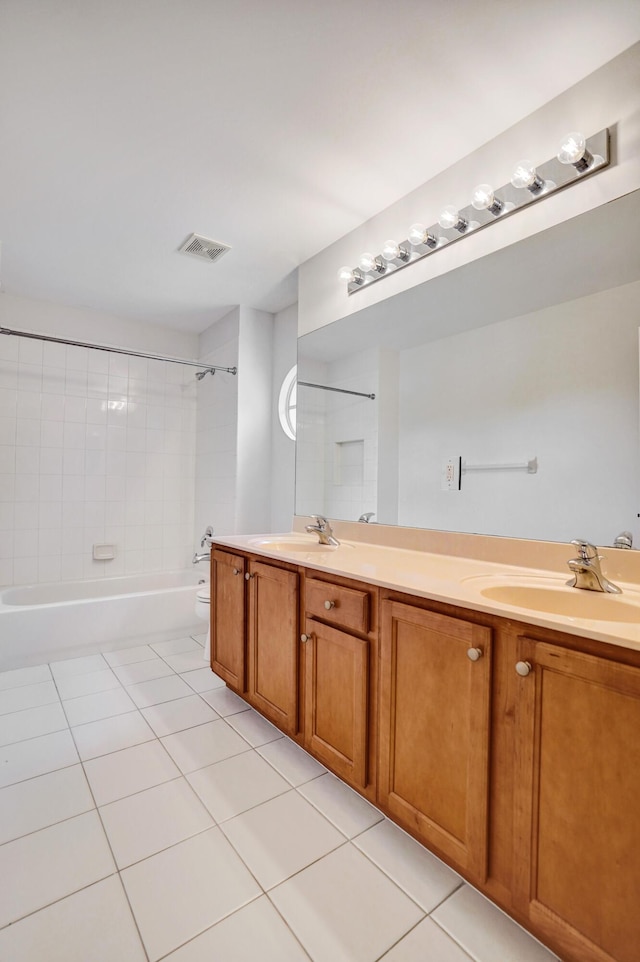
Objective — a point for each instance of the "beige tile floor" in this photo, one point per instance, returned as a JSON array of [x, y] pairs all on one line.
[[147, 813]]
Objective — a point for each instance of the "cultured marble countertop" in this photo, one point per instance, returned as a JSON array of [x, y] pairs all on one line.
[[457, 581]]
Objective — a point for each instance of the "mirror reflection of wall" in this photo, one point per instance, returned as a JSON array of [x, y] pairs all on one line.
[[558, 383]]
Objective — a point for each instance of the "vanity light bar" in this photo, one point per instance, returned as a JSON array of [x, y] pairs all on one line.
[[577, 158]]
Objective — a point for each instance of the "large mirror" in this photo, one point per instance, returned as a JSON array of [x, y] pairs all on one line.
[[506, 394]]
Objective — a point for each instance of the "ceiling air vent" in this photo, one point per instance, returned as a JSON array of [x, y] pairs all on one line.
[[203, 248]]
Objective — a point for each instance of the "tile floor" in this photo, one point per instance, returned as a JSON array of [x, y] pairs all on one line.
[[147, 813]]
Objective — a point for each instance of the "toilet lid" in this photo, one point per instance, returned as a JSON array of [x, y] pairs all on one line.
[[204, 594]]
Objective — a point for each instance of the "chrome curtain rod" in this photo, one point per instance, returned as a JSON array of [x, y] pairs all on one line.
[[338, 390], [120, 350]]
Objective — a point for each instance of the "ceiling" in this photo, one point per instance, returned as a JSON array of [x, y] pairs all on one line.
[[275, 127]]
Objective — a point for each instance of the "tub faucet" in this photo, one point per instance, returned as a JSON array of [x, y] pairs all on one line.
[[586, 569], [200, 557], [323, 529]]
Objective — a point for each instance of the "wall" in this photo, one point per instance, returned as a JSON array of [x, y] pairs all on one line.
[[94, 447], [255, 422], [560, 380], [283, 449], [607, 98], [245, 465], [216, 431]]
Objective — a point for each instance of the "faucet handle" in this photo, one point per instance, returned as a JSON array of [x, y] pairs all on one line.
[[322, 521], [586, 550]]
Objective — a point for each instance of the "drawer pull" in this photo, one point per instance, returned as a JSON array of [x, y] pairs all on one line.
[[523, 668], [329, 605], [474, 654]]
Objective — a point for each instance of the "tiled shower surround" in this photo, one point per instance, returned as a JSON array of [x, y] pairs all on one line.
[[95, 447]]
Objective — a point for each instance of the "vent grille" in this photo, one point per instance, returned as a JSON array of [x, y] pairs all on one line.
[[203, 248]]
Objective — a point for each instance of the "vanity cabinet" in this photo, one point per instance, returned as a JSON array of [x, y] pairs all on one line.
[[511, 751], [433, 776], [273, 643], [228, 617], [577, 801], [340, 657], [255, 633]]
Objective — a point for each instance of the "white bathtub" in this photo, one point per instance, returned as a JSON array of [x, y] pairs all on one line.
[[44, 622]]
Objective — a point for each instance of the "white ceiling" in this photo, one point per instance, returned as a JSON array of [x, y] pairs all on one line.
[[275, 126]]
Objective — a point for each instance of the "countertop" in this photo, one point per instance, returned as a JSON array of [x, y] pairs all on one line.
[[457, 581]]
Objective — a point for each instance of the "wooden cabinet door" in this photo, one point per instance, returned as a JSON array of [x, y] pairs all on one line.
[[274, 641], [228, 621], [434, 730], [578, 801], [337, 701]]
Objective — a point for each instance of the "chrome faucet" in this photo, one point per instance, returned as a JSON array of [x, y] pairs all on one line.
[[367, 516], [204, 540], [586, 569], [323, 529], [624, 540]]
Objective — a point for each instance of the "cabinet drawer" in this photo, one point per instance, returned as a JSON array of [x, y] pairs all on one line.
[[338, 605]]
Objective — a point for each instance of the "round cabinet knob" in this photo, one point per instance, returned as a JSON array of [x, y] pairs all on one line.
[[523, 668], [236, 571], [474, 654], [305, 637], [248, 576], [329, 605]]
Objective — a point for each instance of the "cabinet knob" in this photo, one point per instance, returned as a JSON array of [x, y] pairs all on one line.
[[474, 654], [248, 576], [329, 605], [236, 571], [305, 637], [523, 668]]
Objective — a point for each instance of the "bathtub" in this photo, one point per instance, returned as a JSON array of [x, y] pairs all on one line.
[[49, 621]]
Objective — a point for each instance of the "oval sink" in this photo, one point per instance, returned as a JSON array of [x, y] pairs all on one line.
[[570, 602], [295, 545]]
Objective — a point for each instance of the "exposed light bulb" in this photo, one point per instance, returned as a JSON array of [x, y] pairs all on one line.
[[573, 150], [525, 175], [392, 251], [450, 218], [418, 234], [485, 199], [350, 275], [370, 263]]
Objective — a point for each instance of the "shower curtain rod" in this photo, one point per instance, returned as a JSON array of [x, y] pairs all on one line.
[[120, 350], [338, 390]]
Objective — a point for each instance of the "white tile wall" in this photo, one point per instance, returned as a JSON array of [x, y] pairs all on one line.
[[94, 447]]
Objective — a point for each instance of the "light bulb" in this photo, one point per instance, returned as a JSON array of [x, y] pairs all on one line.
[[574, 151], [525, 175], [350, 275], [392, 251], [450, 218], [485, 199], [369, 263], [418, 234]]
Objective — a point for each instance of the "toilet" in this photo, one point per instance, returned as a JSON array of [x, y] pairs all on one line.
[[203, 602]]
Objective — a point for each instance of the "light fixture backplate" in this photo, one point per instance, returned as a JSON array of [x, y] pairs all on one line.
[[557, 177]]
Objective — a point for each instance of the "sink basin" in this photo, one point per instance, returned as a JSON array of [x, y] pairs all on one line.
[[561, 600], [295, 545]]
